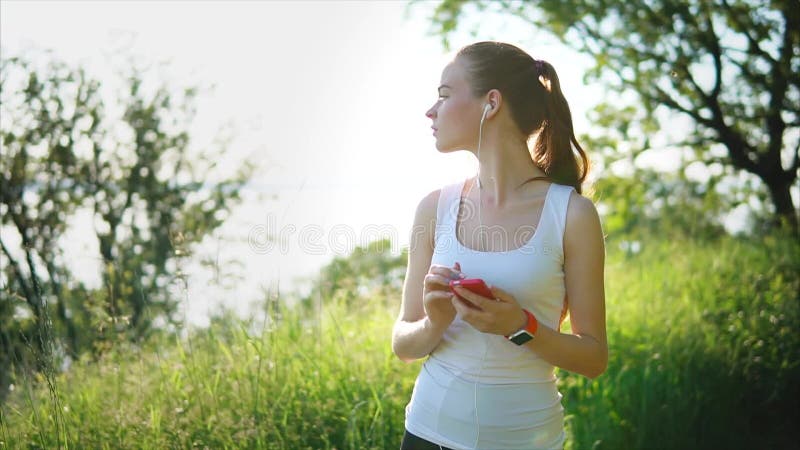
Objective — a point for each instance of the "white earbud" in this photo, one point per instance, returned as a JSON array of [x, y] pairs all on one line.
[[486, 109]]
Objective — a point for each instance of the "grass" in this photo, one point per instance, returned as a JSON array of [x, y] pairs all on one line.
[[704, 353], [704, 349]]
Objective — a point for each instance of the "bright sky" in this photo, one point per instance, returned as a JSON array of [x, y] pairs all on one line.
[[327, 98]]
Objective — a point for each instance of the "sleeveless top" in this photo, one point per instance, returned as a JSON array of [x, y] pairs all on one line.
[[444, 406]]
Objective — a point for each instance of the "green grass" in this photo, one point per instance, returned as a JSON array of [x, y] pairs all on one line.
[[704, 349], [704, 353]]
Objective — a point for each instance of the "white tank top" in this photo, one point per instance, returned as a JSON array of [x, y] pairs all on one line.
[[472, 381]]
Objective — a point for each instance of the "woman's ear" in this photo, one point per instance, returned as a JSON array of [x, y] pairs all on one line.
[[494, 99]]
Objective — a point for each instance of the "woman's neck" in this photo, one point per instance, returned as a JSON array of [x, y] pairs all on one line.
[[505, 173]]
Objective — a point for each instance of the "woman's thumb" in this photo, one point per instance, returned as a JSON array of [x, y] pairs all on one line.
[[499, 293]]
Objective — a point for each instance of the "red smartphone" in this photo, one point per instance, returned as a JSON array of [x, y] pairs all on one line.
[[475, 285]]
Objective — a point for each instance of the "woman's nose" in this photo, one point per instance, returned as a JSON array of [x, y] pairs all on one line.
[[429, 113]]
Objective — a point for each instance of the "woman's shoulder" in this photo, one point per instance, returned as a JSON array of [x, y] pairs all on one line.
[[430, 201], [428, 204], [582, 218], [579, 206], [425, 217]]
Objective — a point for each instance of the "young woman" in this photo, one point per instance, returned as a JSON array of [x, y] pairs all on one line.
[[523, 227]]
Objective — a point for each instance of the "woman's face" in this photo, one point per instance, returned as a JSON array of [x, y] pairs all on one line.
[[456, 114]]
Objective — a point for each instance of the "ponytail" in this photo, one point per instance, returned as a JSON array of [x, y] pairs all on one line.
[[533, 93], [553, 150]]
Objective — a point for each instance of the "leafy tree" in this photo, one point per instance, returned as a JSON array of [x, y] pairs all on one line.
[[150, 198], [666, 204], [368, 272], [732, 68]]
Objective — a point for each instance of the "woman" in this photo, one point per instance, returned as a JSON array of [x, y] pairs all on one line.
[[488, 381]]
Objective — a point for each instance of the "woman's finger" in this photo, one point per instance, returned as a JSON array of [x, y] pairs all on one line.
[[476, 300], [460, 307], [447, 272], [438, 294], [436, 281], [502, 295]]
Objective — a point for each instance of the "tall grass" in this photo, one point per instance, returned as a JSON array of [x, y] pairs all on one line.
[[324, 383], [704, 353], [704, 349]]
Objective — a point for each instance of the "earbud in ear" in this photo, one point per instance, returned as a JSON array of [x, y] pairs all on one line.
[[486, 109]]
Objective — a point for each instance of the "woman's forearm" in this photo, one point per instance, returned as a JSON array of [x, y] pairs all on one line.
[[415, 340], [581, 354]]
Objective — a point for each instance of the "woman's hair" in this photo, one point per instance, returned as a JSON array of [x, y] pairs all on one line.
[[533, 93]]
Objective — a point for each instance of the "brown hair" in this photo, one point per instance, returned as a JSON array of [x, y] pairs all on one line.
[[533, 93]]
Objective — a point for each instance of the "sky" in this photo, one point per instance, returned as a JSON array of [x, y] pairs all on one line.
[[326, 98]]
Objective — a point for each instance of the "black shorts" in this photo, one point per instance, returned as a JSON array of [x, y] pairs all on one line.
[[414, 442]]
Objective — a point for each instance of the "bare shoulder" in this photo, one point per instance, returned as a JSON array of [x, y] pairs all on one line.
[[583, 221], [581, 208], [427, 206], [420, 252], [425, 218]]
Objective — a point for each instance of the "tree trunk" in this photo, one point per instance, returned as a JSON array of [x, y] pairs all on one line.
[[785, 212]]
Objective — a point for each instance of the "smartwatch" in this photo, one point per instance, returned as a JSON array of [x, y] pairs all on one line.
[[525, 333]]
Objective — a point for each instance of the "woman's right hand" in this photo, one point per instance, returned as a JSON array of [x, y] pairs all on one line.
[[437, 296]]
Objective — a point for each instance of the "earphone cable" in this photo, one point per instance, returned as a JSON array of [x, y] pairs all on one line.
[[486, 340]]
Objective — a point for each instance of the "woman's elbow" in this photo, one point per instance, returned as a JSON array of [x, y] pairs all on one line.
[[403, 356], [400, 352], [598, 368], [407, 359], [595, 372]]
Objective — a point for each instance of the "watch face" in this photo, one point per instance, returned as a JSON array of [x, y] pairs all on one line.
[[521, 337]]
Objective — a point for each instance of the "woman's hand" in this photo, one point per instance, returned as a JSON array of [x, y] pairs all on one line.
[[436, 294], [501, 315]]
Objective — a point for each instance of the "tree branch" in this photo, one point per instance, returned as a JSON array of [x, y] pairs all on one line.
[[667, 100], [780, 84], [759, 79], [736, 145], [744, 29], [716, 53], [26, 290]]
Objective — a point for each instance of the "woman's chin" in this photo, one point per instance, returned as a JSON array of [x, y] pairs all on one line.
[[444, 148]]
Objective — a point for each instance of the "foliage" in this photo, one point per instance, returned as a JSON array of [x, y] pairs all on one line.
[[703, 354], [655, 203], [299, 383], [730, 69], [149, 195], [702, 348], [369, 271]]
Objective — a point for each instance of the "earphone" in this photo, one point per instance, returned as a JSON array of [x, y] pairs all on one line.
[[486, 109], [487, 340]]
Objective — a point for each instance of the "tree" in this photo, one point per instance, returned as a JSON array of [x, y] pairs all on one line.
[[732, 68], [150, 197], [369, 271]]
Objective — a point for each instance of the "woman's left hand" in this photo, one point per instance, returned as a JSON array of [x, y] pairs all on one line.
[[501, 315]]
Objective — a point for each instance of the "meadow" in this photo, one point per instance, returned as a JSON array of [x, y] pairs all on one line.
[[704, 353]]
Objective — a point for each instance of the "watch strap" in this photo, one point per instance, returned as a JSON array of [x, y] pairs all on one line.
[[527, 332]]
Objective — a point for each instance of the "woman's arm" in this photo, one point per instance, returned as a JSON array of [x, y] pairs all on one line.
[[585, 351], [417, 331]]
